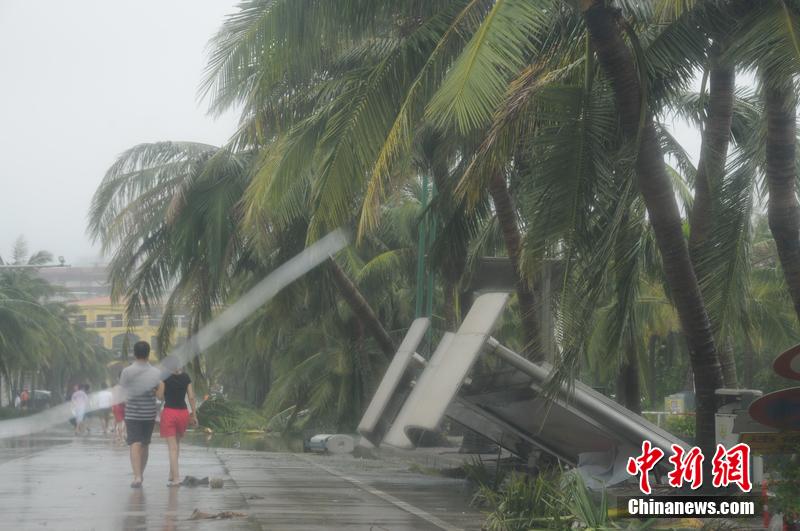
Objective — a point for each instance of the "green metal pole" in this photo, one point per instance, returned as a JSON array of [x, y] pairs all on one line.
[[421, 251], [431, 237]]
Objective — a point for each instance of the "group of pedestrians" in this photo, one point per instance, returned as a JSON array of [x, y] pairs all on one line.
[[22, 399], [84, 406], [133, 404], [141, 384]]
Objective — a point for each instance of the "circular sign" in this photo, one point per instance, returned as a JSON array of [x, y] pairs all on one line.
[[780, 409], [788, 363]]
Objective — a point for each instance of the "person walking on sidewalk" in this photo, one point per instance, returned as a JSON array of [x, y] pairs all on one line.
[[105, 398], [80, 403], [175, 417], [139, 382], [119, 414]]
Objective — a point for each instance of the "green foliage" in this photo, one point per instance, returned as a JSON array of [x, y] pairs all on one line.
[[680, 425], [482, 475], [552, 500], [786, 488], [36, 334], [11, 413], [229, 416], [523, 502], [345, 105]]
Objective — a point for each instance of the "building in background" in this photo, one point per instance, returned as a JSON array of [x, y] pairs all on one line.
[[87, 289], [78, 282]]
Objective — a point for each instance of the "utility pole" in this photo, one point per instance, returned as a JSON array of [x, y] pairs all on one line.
[[421, 246], [427, 232]]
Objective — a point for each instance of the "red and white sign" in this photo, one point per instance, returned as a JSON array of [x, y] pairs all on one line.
[[780, 409], [788, 363]]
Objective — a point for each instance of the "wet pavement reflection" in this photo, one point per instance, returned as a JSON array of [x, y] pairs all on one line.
[[84, 483], [56, 481]]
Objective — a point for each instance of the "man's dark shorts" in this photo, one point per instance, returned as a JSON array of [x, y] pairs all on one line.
[[139, 431]]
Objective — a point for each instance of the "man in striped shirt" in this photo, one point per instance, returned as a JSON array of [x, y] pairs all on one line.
[[139, 381]]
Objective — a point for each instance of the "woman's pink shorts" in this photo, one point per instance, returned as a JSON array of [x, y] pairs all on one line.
[[174, 422], [119, 411]]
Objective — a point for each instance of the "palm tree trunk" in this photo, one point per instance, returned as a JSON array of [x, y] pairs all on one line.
[[361, 308], [507, 217], [450, 294], [201, 383], [710, 172], [783, 211], [617, 62], [652, 352], [714, 149], [728, 364], [749, 360], [629, 391]]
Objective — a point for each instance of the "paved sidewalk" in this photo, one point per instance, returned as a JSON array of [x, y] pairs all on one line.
[[84, 484], [308, 491], [57, 482]]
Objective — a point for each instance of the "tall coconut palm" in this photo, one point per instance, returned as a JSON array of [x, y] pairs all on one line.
[[617, 61], [770, 45], [167, 211], [171, 214], [366, 102], [783, 207], [361, 120]]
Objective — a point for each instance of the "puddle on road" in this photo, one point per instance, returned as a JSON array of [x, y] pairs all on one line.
[[16, 447]]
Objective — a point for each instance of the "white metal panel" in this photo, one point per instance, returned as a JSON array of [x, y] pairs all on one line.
[[414, 408], [394, 375], [446, 370]]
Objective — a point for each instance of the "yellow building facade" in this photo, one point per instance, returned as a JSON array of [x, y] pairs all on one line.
[[109, 322]]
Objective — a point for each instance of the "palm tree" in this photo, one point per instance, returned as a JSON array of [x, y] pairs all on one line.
[[171, 214], [711, 170], [37, 335], [353, 107], [310, 346], [783, 208], [533, 141], [358, 121], [168, 212], [617, 62], [770, 45]]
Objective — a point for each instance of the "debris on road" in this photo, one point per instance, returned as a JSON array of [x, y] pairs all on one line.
[[191, 481], [222, 515]]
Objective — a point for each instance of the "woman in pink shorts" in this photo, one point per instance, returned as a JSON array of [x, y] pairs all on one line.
[[175, 417], [119, 421]]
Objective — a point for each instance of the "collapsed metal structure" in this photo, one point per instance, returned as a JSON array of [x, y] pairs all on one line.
[[506, 404]]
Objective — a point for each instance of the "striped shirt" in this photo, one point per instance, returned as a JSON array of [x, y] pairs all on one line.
[[139, 381]]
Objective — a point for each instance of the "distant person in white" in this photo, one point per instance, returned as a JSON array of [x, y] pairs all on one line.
[[80, 402], [104, 400]]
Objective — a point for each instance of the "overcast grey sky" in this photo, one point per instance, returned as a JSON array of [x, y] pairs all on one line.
[[83, 80]]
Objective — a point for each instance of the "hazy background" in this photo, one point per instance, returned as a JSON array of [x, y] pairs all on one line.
[[83, 80]]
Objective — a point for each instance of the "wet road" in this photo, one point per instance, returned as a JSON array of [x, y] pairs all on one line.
[[11, 449], [307, 491], [76, 484], [55, 481]]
